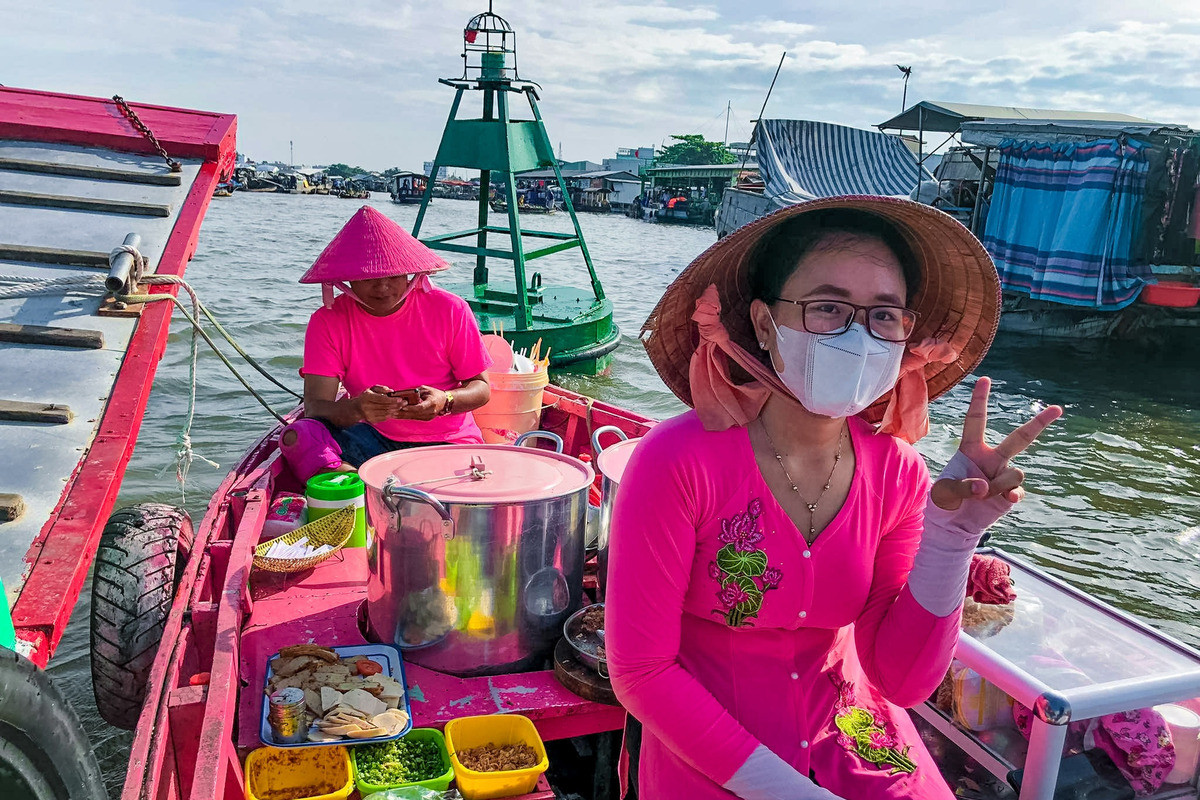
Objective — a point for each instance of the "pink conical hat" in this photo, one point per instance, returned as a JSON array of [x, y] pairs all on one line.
[[370, 246]]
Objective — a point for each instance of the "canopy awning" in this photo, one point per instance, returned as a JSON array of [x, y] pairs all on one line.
[[991, 133], [948, 117], [802, 160]]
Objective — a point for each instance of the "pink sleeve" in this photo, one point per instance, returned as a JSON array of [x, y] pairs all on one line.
[[468, 357], [321, 353], [652, 546], [904, 649]]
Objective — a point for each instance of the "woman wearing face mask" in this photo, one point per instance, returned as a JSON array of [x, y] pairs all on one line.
[[408, 355], [782, 577]]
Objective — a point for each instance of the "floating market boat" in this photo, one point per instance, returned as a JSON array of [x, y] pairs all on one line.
[[1092, 218], [408, 187], [473, 583], [495, 655], [98, 197], [499, 204]]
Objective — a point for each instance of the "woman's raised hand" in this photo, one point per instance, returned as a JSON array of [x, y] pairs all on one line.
[[1000, 478]]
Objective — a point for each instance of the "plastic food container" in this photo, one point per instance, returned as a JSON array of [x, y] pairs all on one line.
[[441, 783], [498, 729], [386, 655], [1173, 294], [329, 491], [311, 773]]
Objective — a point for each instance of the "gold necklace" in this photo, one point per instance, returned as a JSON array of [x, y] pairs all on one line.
[[812, 507]]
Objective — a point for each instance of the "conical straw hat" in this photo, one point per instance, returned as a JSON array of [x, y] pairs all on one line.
[[958, 300], [370, 246]]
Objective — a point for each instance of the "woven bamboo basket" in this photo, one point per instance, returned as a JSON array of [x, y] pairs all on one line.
[[333, 529]]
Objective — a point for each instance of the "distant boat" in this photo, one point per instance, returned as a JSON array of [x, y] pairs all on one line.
[[408, 187], [802, 160]]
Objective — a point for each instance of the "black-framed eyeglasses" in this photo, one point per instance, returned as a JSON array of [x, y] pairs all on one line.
[[831, 317]]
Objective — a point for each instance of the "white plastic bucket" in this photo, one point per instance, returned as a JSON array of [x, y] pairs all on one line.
[[515, 406]]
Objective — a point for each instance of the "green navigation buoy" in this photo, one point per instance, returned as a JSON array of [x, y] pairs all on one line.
[[575, 324]]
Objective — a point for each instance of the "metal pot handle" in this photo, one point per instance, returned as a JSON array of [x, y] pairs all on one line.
[[553, 437], [392, 494], [596, 434]]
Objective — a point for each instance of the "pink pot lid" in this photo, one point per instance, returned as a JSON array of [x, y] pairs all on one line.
[[509, 474], [612, 460]]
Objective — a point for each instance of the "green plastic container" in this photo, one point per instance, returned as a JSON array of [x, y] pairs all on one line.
[[441, 783], [329, 491]]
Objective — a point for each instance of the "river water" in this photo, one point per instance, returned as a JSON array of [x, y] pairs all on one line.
[[1114, 487]]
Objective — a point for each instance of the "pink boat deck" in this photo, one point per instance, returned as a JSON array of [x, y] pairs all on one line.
[[227, 620], [332, 596]]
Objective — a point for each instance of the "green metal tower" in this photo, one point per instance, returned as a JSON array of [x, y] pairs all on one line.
[[575, 324]]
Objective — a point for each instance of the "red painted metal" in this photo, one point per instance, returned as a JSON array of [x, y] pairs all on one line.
[[32, 115], [255, 614], [60, 556]]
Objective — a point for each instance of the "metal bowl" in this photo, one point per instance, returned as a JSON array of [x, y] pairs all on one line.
[[586, 645]]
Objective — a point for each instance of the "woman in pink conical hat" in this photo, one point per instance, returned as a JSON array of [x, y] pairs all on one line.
[[408, 354]]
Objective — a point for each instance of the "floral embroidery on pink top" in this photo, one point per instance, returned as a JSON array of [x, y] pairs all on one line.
[[742, 569], [859, 733]]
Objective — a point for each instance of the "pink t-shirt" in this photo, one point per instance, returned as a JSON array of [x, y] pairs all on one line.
[[431, 340]]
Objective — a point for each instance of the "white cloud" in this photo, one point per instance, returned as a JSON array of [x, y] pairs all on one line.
[[356, 81]]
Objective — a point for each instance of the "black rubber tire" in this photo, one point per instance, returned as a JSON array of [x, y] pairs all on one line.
[[141, 555], [42, 742]]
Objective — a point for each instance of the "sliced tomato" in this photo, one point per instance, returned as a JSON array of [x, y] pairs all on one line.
[[368, 667]]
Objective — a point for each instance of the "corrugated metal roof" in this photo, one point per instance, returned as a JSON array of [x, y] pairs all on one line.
[[947, 117], [700, 170]]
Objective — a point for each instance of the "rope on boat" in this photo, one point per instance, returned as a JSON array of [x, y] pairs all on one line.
[[226, 335], [12, 286], [196, 326]]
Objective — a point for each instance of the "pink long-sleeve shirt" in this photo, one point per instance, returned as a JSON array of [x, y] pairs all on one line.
[[726, 630]]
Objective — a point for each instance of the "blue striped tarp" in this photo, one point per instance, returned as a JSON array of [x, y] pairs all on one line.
[[802, 160], [1063, 221]]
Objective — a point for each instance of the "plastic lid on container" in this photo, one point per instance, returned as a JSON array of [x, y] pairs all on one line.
[[469, 473], [335, 486], [613, 459]]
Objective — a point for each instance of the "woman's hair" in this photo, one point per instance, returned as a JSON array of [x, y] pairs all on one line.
[[780, 252]]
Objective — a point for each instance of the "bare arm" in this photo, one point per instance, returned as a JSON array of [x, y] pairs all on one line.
[[321, 400]]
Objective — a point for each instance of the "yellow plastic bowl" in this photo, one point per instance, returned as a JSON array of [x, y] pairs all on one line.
[[299, 773], [466, 733]]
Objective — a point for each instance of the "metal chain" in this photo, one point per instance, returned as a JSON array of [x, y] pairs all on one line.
[[149, 134]]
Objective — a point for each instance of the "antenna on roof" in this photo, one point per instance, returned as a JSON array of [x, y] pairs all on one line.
[[746, 153], [904, 97]]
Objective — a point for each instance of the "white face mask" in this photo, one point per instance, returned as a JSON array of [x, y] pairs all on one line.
[[836, 375]]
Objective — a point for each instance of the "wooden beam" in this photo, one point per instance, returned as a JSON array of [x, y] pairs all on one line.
[[11, 506], [61, 337], [95, 204], [48, 413], [53, 255], [95, 173]]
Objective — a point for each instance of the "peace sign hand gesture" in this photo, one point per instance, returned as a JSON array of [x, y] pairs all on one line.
[[993, 476], [975, 489]]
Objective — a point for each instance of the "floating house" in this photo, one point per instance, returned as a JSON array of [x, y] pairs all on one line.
[[1092, 218]]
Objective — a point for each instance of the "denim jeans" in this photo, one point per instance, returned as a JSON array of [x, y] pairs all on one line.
[[361, 442]]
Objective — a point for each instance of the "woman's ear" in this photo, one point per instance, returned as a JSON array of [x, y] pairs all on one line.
[[764, 328]]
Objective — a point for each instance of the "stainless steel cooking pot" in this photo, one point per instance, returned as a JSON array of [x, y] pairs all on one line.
[[477, 553], [611, 464]]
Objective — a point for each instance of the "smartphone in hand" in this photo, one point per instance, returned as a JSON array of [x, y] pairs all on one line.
[[409, 396]]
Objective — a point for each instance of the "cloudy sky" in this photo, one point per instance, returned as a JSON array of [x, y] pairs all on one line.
[[356, 80]]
